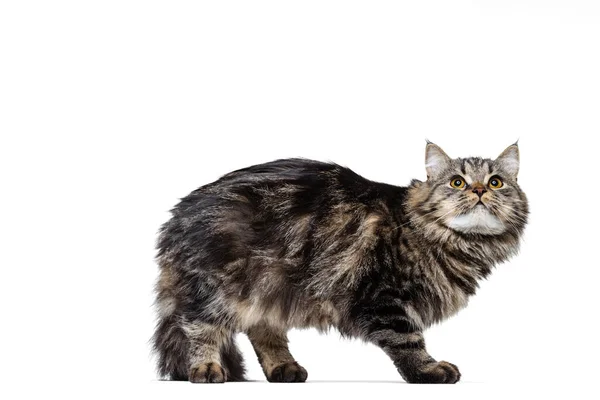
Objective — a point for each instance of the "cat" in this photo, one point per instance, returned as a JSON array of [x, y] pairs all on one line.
[[297, 243]]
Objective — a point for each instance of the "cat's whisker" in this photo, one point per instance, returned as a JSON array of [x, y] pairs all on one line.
[[414, 218], [515, 212], [433, 223], [512, 218]]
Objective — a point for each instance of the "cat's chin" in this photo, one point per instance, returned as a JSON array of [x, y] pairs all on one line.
[[478, 220]]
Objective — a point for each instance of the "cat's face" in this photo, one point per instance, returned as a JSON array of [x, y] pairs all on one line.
[[473, 195]]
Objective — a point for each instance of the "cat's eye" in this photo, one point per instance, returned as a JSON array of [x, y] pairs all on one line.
[[457, 182], [496, 183]]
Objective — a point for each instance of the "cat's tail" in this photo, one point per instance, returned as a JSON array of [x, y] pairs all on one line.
[[233, 362], [170, 343], [171, 347]]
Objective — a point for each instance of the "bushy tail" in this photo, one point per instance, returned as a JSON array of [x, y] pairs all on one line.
[[233, 362], [171, 346]]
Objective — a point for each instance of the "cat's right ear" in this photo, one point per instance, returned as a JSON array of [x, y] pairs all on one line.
[[509, 160], [436, 161]]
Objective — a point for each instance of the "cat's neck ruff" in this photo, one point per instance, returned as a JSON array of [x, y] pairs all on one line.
[[490, 243]]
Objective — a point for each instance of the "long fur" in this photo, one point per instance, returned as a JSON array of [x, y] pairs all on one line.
[[301, 243]]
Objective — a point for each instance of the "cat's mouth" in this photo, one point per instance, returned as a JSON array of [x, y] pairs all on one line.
[[476, 207]]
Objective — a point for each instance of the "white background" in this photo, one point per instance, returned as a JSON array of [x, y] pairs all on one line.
[[112, 110]]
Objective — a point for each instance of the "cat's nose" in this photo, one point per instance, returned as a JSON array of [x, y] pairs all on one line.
[[479, 190]]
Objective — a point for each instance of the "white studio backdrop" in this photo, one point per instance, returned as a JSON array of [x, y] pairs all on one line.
[[110, 111]]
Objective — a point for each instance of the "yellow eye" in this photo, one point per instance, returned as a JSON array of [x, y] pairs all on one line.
[[496, 183], [457, 182]]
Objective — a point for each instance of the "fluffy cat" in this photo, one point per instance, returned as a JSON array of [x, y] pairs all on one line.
[[298, 243]]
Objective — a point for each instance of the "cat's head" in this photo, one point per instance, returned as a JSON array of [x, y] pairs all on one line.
[[470, 195]]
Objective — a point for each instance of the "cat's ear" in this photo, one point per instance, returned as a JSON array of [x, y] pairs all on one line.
[[436, 161], [509, 160]]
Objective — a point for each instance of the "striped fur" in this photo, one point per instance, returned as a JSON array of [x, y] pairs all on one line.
[[300, 243]]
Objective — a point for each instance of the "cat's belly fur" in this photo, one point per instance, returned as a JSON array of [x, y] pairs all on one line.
[[271, 295], [320, 315]]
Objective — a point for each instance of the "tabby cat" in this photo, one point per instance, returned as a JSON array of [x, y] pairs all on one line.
[[298, 243]]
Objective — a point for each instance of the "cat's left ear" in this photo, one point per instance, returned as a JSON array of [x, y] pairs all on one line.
[[509, 160]]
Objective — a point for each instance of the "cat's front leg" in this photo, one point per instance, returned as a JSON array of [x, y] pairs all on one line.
[[390, 328], [407, 351]]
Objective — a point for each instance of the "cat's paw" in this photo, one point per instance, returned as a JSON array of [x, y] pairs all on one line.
[[437, 372], [288, 372], [207, 373]]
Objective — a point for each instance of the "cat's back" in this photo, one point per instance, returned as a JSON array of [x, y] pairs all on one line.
[[275, 205], [302, 185], [323, 180]]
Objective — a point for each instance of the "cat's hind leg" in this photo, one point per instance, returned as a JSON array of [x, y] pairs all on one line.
[[271, 347], [210, 353]]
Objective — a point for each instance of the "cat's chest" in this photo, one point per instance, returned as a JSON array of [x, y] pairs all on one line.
[[446, 286]]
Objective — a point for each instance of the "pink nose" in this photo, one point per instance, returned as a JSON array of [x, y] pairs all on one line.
[[480, 191]]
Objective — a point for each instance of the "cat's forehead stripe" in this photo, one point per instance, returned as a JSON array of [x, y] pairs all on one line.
[[475, 169]]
